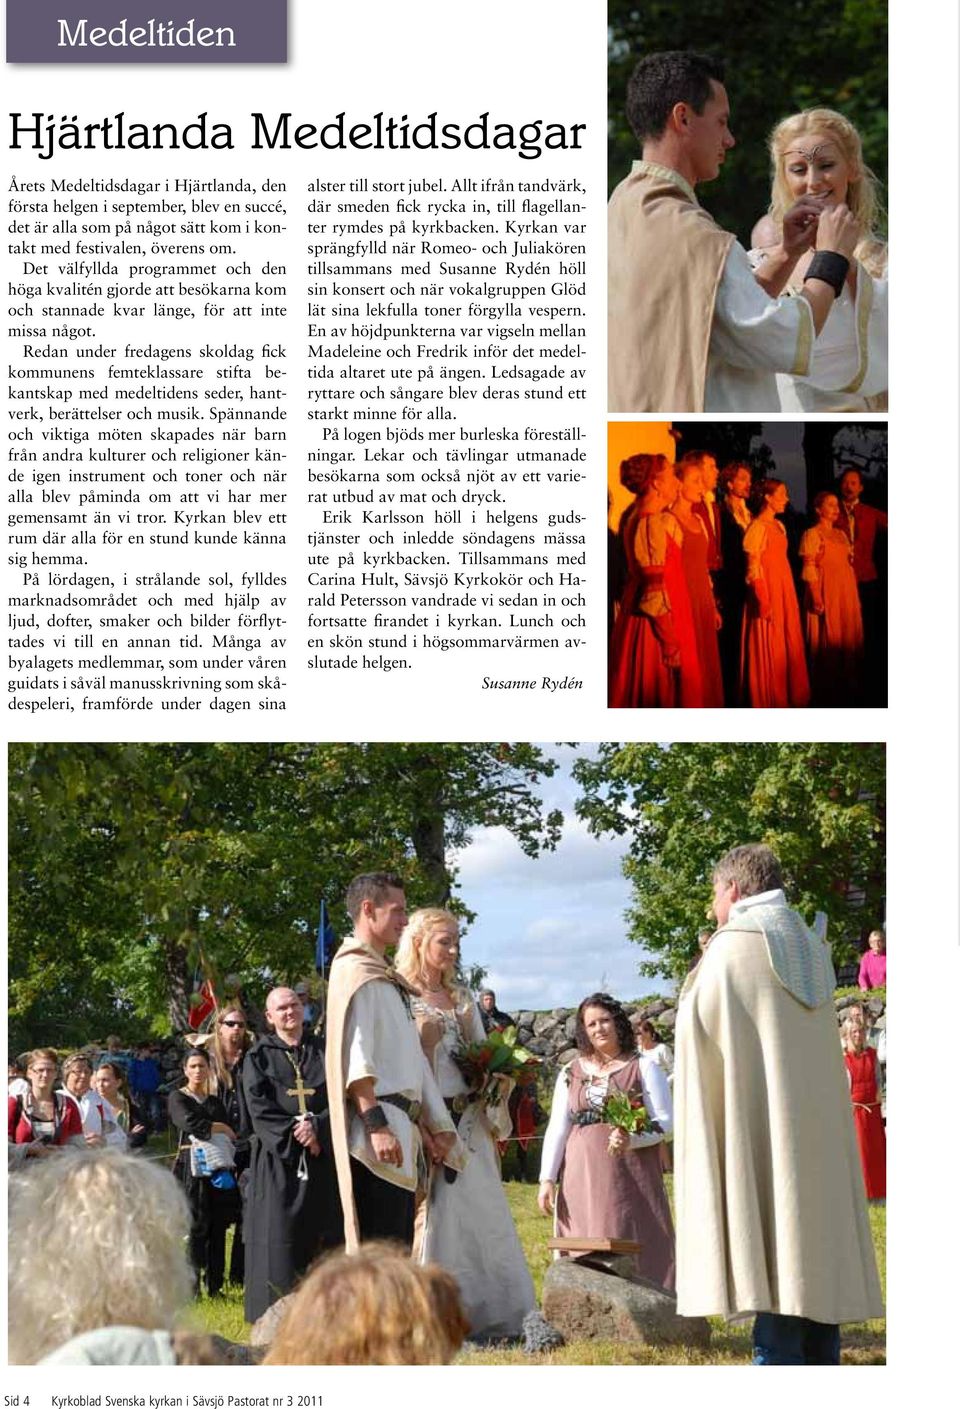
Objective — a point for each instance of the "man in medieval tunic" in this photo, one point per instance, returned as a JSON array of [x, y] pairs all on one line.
[[291, 1208], [771, 1210], [691, 326], [384, 1101]]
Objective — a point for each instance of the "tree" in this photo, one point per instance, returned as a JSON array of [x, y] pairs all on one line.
[[820, 806], [135, 868]]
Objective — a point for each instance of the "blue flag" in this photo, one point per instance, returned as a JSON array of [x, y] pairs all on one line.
[[326, 939]]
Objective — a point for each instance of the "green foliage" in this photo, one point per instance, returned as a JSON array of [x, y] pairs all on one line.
[[136, 867], [819, 806], [779, 59]]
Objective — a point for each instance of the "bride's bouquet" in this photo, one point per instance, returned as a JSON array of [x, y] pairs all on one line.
[[623, 1114], [485, 1064]]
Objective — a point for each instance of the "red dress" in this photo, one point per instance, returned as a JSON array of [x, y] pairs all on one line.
[[703, 607], [871, 1136], [773, 662], [835, 636], [638, 676]]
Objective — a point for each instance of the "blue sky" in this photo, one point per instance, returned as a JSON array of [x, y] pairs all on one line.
[[551, 930]]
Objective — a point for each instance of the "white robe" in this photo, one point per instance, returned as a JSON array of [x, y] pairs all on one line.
[[848, 370], [771, 1211], [753, 338], [381, 1041], [469, 1228]]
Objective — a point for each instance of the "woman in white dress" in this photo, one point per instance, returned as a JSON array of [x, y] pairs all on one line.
[[469, 1229], [818, 154]]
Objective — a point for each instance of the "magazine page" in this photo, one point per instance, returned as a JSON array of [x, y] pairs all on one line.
[[389, 390]]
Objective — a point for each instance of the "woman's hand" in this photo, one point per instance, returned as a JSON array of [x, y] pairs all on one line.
[[838, 231], [619, 1142], [546, 1196], [218, 1127]]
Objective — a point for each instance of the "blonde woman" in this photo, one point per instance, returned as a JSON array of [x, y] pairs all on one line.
[[469, 1229], [817, 155], [97, 1240]]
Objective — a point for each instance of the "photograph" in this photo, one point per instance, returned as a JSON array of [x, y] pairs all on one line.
[[747, 254], [432, 1053], [747, 564]]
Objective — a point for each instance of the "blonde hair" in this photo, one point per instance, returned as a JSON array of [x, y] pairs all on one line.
[[847, 1027], [96, 1238], [420, 926], [375, 1307], [219, 1070], [862, 192]]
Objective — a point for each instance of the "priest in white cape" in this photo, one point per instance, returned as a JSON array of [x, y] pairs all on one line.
[[771, 1208]]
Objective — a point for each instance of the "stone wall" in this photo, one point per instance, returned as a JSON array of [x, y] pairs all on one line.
[[550, 1034]]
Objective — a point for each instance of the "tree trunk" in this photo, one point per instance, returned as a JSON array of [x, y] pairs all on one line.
[[427, 835], [176, 974]]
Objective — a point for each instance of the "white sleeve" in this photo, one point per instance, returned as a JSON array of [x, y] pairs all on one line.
[[558, 1128], [359, 1037], [755, 332], [659, 1104], [436, 1117]]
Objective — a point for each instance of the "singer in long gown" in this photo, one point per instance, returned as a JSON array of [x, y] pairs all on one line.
[[832, 618], [773, 661]]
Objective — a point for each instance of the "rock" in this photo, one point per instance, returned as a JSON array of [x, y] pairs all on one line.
[[233, 1353], [667, 1018], [526, 1019], [570, 1028], [654, 1009], [544, 1023], [874, 1006], [263, 1330], [538, 1335], [584, 1304], [567, 1055]]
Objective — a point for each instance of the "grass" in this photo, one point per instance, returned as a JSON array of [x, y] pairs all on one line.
[[863, 1343]]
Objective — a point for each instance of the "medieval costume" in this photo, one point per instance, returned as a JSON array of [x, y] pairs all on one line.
[[835, 634], [612, 1196], [653, 651], [771, 1214], [690, 329], [469, 1228], [848, 368], [291, 1211], [773, 660], [371, 1033], [871, 1137]]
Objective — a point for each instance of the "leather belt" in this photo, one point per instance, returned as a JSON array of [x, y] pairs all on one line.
[[411, 1109]]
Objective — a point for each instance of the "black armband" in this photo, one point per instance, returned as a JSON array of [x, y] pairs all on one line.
[[831, 267], [374, 1119]]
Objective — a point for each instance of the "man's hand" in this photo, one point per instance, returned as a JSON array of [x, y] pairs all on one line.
[[387, 1147], [303, 1131], [800, 226], [545, 1196], [838, 230]]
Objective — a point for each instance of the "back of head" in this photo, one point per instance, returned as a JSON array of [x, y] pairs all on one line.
[[373, 886], [96, 1238], [375, 1307], [660, 81], [754, 868]]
